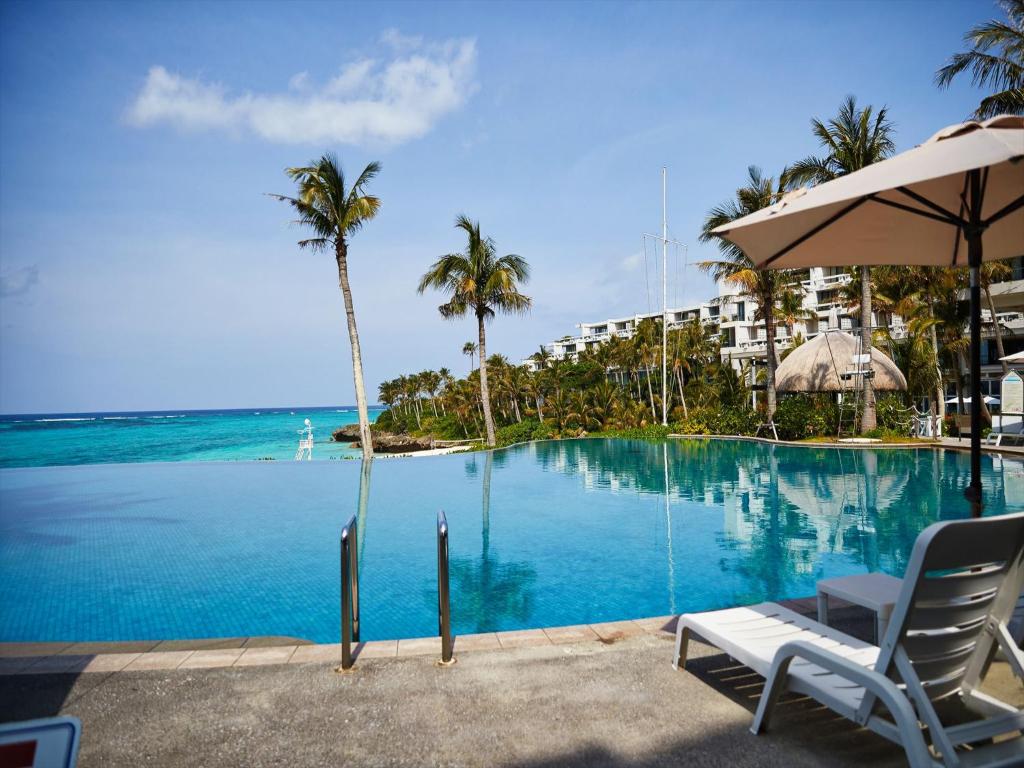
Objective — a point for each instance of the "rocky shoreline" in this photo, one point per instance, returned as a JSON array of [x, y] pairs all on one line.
[[383, 442]]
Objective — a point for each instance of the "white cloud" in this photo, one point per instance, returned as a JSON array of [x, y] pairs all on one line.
[[18, 282], [368, 101]]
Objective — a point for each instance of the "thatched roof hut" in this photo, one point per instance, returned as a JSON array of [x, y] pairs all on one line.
[[819, 365]]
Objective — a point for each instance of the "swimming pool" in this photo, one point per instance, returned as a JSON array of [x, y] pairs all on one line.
[[544, 534]]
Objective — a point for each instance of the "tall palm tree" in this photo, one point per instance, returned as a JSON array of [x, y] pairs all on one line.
[[993, 272], [853, 139], [469, 350], [996, 62], [478, 281], [335, 212], [736, 268]]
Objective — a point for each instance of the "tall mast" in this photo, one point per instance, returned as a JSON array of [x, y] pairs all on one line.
[[664, 300]]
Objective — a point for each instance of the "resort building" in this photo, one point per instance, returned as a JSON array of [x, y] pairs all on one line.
[[731, 319]]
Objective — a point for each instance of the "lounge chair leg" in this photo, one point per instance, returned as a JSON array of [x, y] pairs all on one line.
[[774, 687], [682, 645]]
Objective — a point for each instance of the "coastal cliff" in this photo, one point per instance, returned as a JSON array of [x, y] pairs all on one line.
[[383, 442]]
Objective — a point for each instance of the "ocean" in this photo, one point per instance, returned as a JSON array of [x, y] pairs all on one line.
[[58, 439]]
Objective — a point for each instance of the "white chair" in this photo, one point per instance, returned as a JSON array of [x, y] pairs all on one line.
[[958, 594]]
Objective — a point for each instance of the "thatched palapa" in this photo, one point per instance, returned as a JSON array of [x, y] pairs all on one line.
[[820, 364]]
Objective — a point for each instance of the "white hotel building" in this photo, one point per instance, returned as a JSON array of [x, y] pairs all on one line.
[[731, 319]]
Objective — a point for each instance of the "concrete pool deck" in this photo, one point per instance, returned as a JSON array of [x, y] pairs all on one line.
[[574, 704], [594, 695]]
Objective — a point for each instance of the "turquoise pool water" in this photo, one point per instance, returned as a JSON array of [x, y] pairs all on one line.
[[544, 534]]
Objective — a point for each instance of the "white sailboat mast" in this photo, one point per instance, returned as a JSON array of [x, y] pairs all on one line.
[[664, 298]]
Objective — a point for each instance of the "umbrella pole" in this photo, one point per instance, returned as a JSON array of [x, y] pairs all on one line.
[[973, 235]]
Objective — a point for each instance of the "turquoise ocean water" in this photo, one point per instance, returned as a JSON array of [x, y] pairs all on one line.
[[38, 440]]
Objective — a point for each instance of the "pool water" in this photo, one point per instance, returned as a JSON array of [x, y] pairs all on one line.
[[543, 534]]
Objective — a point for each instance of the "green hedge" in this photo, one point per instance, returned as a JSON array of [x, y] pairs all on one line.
[[736, 420]]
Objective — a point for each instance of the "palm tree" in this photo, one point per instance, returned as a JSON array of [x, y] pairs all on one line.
[[791, 309], [993, 272], [996, 62], [335, 212], [854, 139], [762, 285], [469, 350], [479, 282]]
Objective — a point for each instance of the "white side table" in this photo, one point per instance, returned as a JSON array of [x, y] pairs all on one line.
[[877, 592]]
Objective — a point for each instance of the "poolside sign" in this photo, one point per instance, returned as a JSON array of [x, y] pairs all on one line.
[[1011, 397], [47, 743]]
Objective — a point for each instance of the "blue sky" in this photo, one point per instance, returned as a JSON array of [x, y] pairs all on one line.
[[143, 268]]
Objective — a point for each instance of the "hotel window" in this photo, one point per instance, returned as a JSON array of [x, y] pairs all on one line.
[[741, 311]]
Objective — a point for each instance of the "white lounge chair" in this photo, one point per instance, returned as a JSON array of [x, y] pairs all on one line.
[[959, 591]]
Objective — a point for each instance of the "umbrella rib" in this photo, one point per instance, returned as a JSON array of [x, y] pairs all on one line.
[[1005, 211], [811, 233], [952, 218], [910, 209]]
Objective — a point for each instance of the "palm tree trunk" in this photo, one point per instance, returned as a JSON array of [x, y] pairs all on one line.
[[940, 395], [769, 337], [540, 413], [867, 419], [484, 394], [365, 438], [650, 391], [682, 397], [998, 330]]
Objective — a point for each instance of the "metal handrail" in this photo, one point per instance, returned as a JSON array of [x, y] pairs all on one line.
[[444, 608], [349, 590]]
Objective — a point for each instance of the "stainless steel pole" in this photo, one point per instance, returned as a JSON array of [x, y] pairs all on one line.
[[444, 612]]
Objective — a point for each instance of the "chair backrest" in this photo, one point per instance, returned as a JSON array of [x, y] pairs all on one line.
[[962, 574]]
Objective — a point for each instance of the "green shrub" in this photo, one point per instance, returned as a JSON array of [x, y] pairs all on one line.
[[651, 432], [892, 414], [516, 433], [543, 432], [798, 417], [735, 420]]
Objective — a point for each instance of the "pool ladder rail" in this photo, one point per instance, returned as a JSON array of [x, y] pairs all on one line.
[[350, 593]]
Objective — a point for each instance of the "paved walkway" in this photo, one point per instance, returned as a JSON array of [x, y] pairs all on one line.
[[580, 704], [586, 703]]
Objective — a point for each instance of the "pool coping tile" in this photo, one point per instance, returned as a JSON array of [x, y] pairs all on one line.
[[666, 624], [157, 660], [610, 631], [57, 665], [484, 641], [110, 662], [305, 654], [521, 638], [210, 658], [16, 650], [102, 648], [374, 649], [574, 633], [419, 646], [208, 644], [270, 655]]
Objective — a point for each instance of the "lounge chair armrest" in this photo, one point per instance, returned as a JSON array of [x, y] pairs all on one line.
[[884, 688]]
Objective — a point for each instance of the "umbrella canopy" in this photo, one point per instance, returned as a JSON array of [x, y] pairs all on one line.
[[909, 209], [957, 199], [820, 364], [989, 400], [1016, 357]]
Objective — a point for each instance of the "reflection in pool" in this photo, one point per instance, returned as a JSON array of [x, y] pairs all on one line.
[[543, 534]]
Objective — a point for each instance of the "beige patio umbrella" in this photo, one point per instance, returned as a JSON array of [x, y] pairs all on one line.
[[957, 199], [823, 364]]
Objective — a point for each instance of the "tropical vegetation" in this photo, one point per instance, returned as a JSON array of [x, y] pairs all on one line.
[[335, 212], [477, 281], [853, 139], [995, 62]]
